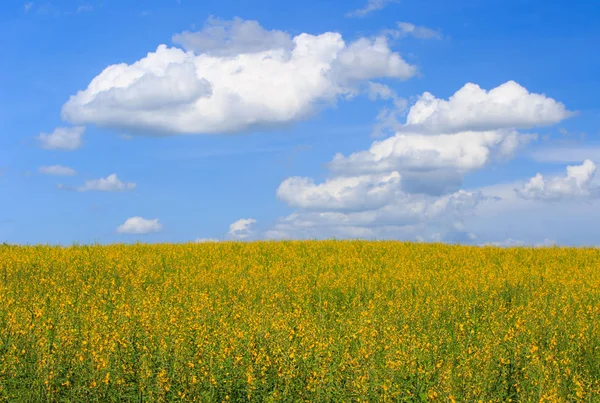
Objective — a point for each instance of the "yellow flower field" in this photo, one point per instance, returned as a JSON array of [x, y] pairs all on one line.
[[338, 321]]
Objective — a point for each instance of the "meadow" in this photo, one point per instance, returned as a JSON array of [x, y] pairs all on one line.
[[314, 321]]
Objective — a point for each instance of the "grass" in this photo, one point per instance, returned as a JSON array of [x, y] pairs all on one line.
[[311, 321]]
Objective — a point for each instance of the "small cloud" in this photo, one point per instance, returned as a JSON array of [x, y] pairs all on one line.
[[109, 184], [420, 32], [241, 229], [62, 138], [372, 5], [28, 6], [139, 226], [57, 170]]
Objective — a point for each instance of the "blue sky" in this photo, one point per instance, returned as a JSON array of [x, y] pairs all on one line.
[[231, 131]]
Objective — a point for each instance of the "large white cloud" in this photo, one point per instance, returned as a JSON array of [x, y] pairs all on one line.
[[575, 184], [234, 76], [62, 138], [472, 108], [140, 226]]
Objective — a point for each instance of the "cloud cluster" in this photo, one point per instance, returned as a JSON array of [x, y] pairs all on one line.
[[410, 182], [575, 184], [434, 164], [232, 76]]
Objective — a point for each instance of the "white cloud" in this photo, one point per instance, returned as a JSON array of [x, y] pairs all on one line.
[[409, 184], [62, 138], [431, 163], [378, 90], [400, 217], [381, 91], [139, 226], [109, 184], [409, 29], [28, 6], [372, 5], [387, 119], [234, 82], [342, 193], [367, 58], [576, 184], [57, 170], [242, 228], [462, 151], [473, 108], [508, 106]]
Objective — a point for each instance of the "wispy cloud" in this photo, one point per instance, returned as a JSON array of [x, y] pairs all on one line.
[[410, 29], [57, 170], [28, 6], [109, 184], [372, 5]]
